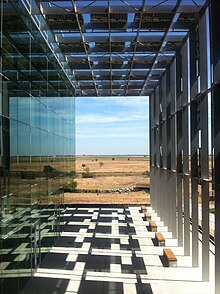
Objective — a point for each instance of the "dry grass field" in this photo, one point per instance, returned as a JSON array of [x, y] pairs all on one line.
[[132, 198], [113, 165], [110, 172], [111, 182]]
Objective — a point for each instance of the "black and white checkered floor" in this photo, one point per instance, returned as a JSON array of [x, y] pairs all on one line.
[[107, 251]]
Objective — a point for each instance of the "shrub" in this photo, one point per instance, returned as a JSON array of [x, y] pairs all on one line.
[[70, 187], [212, 210], [87, 175], [28, 175], [50, 172], [101, 163], [72, 173], [146, 173], [48, 169], [83, 165], [113, 158]]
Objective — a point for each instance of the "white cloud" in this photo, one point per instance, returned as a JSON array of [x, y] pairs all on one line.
[[110, 135], [94, 118], [135, 101], [114, 132], [105, 124]]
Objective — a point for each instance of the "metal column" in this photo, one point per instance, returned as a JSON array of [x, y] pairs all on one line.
[[215, 12], [204, 144], [176, 191], [185, 146], [179, 131], [194, 118]]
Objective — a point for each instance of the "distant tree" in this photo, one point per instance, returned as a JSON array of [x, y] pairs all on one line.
[[113, 158], [83, 165], [101, 163], [48, 169]]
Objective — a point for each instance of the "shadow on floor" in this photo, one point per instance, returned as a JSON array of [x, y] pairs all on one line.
[[46, 286]]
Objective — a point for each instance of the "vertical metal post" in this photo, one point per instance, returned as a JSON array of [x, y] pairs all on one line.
[[157, 172], [171, 175], [160, 163], [194, 147], [165, 195], [176, 195], [152, 148], [215, 12], [185, 146], [179, 144], [151, 144], [204, 145]]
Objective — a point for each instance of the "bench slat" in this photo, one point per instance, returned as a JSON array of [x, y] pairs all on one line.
[[147, 216], [159, 236], [143, 208], [169, 254], [153, 224]]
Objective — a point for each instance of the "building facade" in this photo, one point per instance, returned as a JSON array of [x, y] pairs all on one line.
[[37, 145]]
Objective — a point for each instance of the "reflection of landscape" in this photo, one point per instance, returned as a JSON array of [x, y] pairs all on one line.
[[35, 181], [37, 162]]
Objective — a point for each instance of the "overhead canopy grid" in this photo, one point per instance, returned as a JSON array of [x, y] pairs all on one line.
[[108, 47]]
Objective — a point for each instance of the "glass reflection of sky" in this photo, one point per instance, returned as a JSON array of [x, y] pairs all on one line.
[[44, 125]]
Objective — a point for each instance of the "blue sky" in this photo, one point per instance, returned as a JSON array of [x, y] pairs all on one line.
[[112, 125]]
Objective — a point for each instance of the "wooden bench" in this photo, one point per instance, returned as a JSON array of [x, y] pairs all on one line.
[[170, 257], [160, 239], [147, 216], [143, 208], [153, 226]]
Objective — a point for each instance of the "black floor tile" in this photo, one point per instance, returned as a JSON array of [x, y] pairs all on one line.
[[65, 242], [101, 243], [74, 228], [144, 289], [57, 261], [100, 263], [103, 229], [133, 245], [98, 287], [46, 286], [127, 230]]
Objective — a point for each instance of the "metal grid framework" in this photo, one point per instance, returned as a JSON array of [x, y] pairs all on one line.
[[136, 48], [181, 144], [101, 48]]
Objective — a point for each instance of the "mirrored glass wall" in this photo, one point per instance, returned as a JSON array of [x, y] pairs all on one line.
[[36, 142]]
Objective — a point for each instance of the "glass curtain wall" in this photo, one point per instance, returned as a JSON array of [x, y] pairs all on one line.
[[36, 144]]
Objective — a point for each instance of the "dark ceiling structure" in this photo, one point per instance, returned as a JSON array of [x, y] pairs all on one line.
[[102, 47]]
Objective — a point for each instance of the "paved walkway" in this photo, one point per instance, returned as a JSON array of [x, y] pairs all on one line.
[[110, 251]]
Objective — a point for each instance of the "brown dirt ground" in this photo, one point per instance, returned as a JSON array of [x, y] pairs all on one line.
[[131, 198], [111, 182]]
